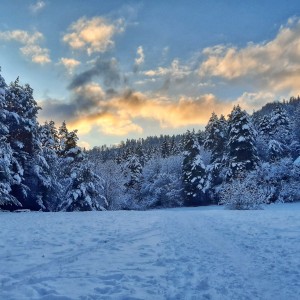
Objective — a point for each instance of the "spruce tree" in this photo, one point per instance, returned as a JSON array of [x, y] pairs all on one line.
[[165, 148], [193, 172], [215, 137], [84, 191], [281, 135], [28, 163], [7, 200], [242, 152], [133, 171], [215, 141]]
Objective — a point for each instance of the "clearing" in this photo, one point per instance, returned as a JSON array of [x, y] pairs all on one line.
[[198, 253]]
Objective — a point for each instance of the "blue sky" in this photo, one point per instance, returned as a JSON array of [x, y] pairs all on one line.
[[129, 69]]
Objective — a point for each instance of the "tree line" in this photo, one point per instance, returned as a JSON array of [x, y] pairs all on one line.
[[240, 161]]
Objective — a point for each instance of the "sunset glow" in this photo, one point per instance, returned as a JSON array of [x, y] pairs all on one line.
[[136, 68]]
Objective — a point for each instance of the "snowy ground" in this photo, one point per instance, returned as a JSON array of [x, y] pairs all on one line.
[[162, 254]]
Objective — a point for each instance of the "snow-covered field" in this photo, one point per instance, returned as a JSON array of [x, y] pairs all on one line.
[[160, 254]]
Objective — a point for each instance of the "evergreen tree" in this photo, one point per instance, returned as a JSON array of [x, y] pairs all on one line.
[[280, 125], [68, 143], [215, 141], [28, 162], [50, 146], [215, 137], [49, 137], [133, 171], [193, 173], [7, 200], [165, 148], [173, 147], [280, 134], [85, 190], [242, 152]]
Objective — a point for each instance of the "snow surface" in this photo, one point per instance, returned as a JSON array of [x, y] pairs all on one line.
[[208, 253]]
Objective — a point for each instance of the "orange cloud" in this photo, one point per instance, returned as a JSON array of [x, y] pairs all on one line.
[[118, 115], [274, 65], [69, 63], [93, 35]]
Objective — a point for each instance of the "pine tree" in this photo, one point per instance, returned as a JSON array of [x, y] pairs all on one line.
[[173, 147], [24, 140], [68, 143], [50, 146], [280, 134], [7, 200], [280, 125], [242, 152], [85, 190], [193, 173], [133, 171], [165, 148], [49, 136], [215, 137], [215, 141]]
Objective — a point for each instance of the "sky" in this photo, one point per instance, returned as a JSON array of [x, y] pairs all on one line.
[[117, 70]]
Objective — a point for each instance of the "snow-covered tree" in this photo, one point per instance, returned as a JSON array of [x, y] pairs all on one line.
[[242, 152], [68, 143], [215, 142], [193, 173], [50, 147], [113, 184], [28, 163], [280, 134], [7, 200], [49, 136], [85, 190], [243, 193], [280, 125], [215, 137], [165, 148], [162, 183], [132, 171]]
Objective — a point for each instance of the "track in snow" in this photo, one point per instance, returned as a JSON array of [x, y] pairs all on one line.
[[160, 254]]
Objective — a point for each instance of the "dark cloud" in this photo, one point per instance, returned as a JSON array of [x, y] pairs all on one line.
[[111, 92], [86, 96], [107, 69], [56, 110], [84, 101]]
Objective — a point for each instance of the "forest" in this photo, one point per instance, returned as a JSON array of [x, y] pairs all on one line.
[[241, 161]]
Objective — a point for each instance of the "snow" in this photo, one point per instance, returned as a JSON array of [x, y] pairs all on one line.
[[297, 162], [188, 253]]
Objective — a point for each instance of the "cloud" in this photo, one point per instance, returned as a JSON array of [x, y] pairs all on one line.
[[69, 63], [37, 54], [107, 69], [140, 58], [270, 65], [37, 7], [84, 145], [119, 114], [93, 35], [170, 113], [30, 41], [254, 101], [108, 123], [176, 70], [83, 100]]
